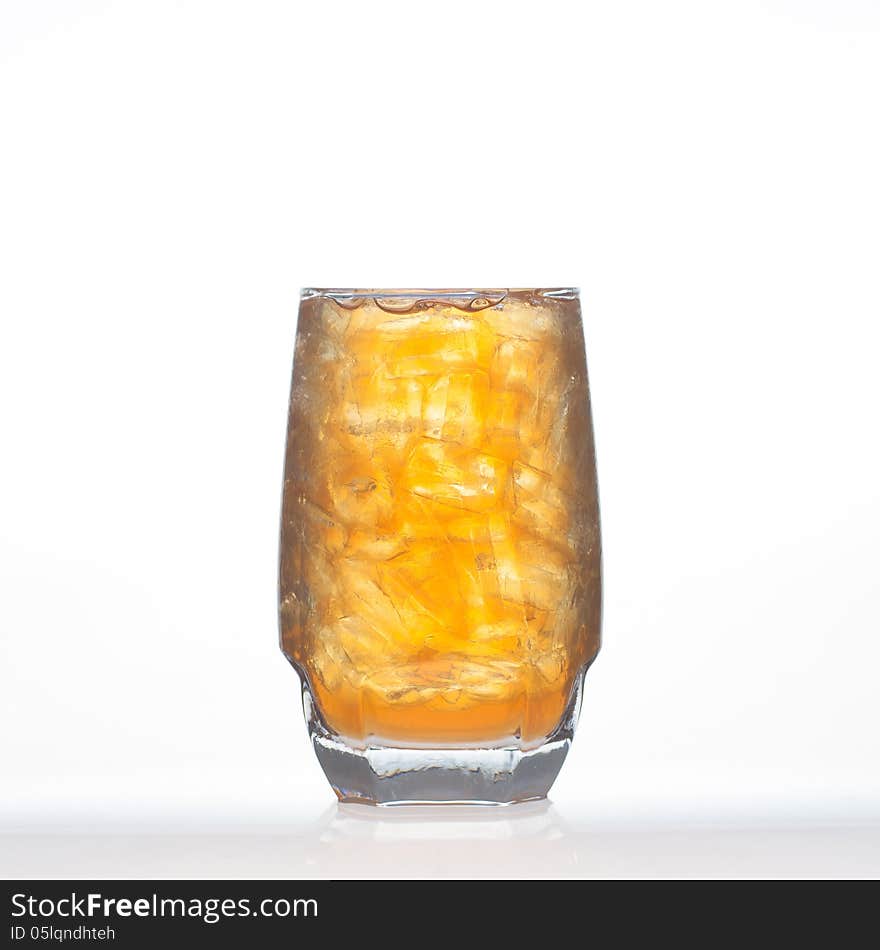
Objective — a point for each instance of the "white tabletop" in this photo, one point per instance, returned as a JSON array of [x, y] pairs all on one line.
[[527, 841]]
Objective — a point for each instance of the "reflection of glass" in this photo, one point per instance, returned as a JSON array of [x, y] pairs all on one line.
[[440, 584], [530, 841]]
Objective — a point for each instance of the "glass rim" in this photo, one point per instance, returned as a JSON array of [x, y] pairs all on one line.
[[432, 293]]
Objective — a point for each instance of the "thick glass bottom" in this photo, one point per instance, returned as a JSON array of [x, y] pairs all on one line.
[[387, 775]]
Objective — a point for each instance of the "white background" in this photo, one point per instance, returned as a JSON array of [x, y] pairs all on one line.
[[172, 173]]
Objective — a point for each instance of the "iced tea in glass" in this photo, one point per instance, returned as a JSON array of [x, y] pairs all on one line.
[[440, 554]]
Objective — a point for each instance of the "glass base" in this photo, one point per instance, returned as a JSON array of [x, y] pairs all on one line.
[[386, 775]]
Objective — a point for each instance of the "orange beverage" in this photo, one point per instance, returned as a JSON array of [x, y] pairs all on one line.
[[440, 537]]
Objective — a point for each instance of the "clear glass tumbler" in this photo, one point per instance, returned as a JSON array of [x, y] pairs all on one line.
[[440, 588]]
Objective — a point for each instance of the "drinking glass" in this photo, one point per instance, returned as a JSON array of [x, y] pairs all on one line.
[[440, 589]]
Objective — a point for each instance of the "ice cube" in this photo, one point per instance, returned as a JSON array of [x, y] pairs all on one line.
[[504, 636], [360, 493], [532, 572], [423, 588], [526, 320], [447, 341], [365, 646], [550, 663], [456, 476], [402, 685], [515, 365], [455, 408], [360, 594], [329, 659], [378, 416], [372, 546], [540, 505], [504, 412]]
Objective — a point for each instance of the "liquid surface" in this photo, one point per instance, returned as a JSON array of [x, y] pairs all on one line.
[[440, 542]]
